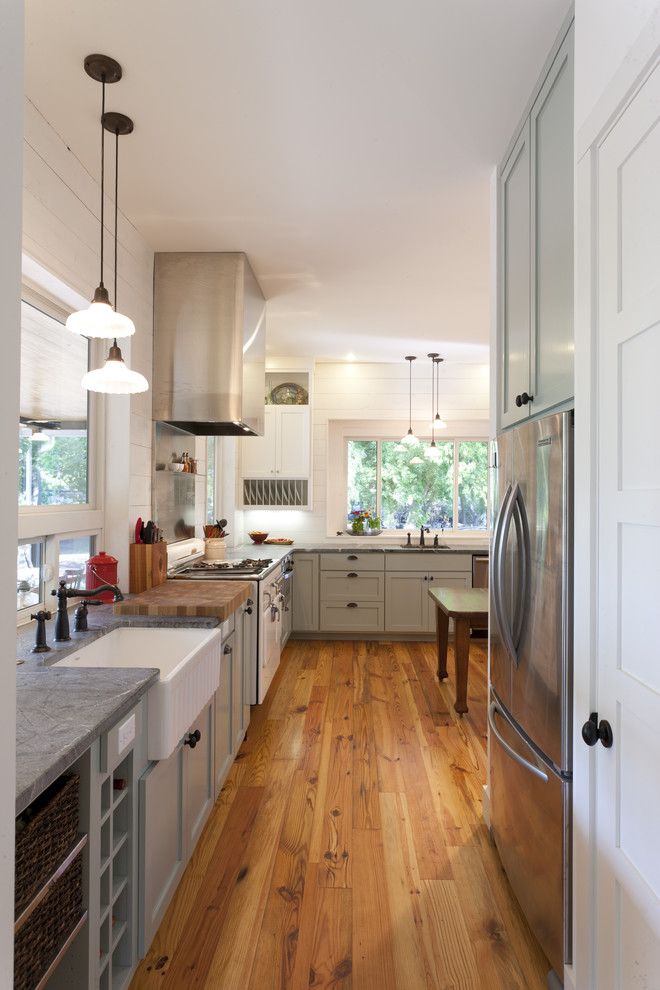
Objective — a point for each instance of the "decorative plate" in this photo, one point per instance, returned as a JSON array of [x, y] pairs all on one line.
[[289, 394]]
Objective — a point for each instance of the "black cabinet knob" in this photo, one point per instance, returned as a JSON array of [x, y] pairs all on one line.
[[352, 574], [594, 731], [519, 401], [351, 605], [193, 738], [248, 610]]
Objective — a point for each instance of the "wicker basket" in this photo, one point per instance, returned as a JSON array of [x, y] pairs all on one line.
[[46, 930], [45, 834]]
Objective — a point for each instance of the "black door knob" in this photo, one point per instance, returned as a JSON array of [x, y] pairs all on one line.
[[525, 398], [193, 738], [519, 401], [594, 731]]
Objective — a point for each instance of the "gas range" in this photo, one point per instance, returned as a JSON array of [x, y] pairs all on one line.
[[201, 569]]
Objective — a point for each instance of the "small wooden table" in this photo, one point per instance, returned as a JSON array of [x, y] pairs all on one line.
[[469, 609]]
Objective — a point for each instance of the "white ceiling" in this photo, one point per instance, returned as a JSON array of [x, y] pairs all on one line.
[[345, 145]]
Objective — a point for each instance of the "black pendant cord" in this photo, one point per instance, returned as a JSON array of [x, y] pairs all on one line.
[[116, 208], [410, 398], [432, 400], [102, 168]]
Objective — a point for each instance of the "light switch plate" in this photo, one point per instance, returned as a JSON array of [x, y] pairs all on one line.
[[126, 733]]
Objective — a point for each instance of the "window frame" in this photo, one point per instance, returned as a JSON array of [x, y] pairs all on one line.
[[51, 523], [454, 530]]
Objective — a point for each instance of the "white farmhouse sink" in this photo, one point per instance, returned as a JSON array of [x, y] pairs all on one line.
[[189, 664]]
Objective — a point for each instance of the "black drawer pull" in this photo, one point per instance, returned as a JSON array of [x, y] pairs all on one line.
[[352, 556], [193, 738], [352, 574], [352, 605]]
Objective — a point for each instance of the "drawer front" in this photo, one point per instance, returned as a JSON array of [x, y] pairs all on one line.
[[358, 617], [120, 739], [350, 561], [352, 586], [417, 560]]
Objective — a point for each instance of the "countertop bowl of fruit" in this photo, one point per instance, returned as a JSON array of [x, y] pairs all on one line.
[[257, 536]]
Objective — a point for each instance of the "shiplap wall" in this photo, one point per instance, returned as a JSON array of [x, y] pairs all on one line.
[[374, 397], [61, 232]]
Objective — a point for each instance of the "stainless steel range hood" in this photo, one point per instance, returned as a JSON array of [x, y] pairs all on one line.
[[209, 344]]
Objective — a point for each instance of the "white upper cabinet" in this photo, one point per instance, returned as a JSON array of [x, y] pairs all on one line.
[[283, 451], [535, 246], [293, 437], [259, 454]]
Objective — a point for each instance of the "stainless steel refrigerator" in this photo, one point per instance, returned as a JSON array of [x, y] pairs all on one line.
[[531, 673]]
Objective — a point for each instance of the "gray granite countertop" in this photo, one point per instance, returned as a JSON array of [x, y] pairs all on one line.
[[59, 714], [60, 711]]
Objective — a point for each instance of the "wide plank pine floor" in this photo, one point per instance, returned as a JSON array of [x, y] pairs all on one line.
[[347, 848]]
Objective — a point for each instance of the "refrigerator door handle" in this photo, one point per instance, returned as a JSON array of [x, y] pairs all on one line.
[[495, 588], [493, 709], [498, 572], [522, 533]]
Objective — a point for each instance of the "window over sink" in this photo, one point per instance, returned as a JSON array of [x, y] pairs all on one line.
[[402, 488]]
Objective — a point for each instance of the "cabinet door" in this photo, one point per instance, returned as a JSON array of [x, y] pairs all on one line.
[[438, 579], [248, 622], [198, 777], [514, 281], [259, 454], [237, 689], [162, 840], [223, 728], [405, 602], [551, 124], [293, 452], [306, 593]]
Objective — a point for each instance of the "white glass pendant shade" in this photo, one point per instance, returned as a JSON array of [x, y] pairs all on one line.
[[100, 319], [432, 453], [438, 423], [115, 378], [409, 438]]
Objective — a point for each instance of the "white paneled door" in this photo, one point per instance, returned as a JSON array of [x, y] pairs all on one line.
[[626, 257]]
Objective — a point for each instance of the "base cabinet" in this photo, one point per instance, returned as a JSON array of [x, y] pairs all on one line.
[[198, 777], [408, 608], [306, 593], [162, 841], [223, 710]]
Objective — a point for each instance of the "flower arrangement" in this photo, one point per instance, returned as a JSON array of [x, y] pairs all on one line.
[[361, 520]]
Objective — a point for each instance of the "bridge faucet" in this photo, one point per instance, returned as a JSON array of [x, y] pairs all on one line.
[[62, 634], [423, 530]]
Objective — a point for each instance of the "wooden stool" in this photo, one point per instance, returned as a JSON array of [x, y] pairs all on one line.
[[469, 609]]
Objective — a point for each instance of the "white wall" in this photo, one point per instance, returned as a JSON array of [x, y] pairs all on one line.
[[11, 124], [605, 30], [61, 232], [373, 395]]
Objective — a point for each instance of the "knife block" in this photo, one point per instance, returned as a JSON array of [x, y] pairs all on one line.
[[147, 566]]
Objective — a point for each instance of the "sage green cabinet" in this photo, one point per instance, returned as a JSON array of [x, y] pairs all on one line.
[[198, 777], [535, 252]]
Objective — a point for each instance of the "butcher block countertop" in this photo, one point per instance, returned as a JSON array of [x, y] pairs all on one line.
[[209, 599]]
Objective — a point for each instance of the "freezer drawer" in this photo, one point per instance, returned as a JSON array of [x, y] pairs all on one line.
[[530, 822]]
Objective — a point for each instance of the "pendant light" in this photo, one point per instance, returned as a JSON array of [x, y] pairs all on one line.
[[115, 378], [410, 436], [438, 422], [432, 453], [100, 319]]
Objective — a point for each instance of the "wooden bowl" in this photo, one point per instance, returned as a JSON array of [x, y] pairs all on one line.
[[258, 537]]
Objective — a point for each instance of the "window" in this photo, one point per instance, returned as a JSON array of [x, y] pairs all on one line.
[[60, 517], [405, 489], [29, 575], [52, 433]]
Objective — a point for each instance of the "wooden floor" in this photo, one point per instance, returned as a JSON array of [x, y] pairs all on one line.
[[347, 848]]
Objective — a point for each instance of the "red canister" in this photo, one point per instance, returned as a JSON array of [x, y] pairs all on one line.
[[101, 569]]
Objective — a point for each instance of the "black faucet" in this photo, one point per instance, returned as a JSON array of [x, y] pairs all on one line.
[[435, 540], [424, 529], [63, 593], [41, 646]]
